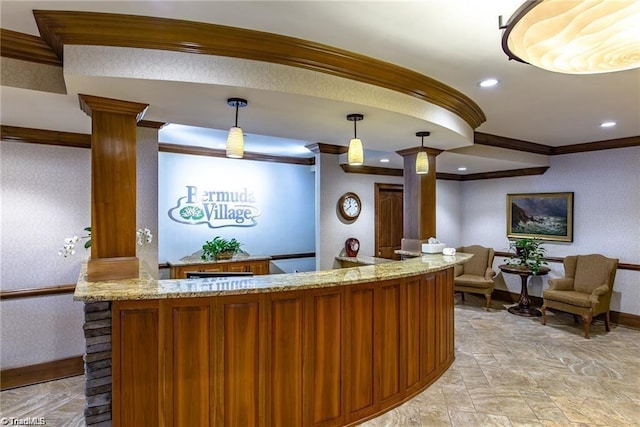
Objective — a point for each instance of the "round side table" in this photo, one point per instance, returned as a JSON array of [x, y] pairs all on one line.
[[524, 307]]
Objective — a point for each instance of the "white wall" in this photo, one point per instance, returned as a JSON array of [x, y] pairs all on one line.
[[606, 186], [46, 196], [283, 194], [331, 231]]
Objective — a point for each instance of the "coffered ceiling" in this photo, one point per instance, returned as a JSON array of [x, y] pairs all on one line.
[[455, 42]]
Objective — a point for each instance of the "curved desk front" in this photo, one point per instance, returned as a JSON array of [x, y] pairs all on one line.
[[326, 348]]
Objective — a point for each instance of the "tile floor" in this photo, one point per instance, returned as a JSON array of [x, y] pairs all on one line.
[[509, 371]]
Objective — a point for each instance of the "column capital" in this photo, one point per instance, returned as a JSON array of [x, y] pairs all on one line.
[[90, 104]]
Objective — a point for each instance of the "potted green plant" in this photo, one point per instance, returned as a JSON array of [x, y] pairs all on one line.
[[220, 248], [528, 252]]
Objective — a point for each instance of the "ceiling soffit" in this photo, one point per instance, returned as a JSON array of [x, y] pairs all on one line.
[[59, 28]]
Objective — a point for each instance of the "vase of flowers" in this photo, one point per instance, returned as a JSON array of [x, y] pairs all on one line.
[[143, 238]]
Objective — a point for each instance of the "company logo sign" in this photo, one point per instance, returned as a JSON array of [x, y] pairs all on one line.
[[216, 208]]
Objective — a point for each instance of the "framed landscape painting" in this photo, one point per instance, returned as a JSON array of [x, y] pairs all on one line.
[[546, 216]]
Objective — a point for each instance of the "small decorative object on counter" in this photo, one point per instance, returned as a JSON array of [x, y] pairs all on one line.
[[449, 251], [352, 246], [220, 248], [434, 246]]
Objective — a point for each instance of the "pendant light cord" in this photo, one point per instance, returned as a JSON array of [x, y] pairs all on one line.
[[237, 105], [355, 132]]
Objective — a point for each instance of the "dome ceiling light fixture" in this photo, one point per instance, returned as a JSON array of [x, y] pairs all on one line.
[[355, 155], [422, 159], [235, 139], [575, 37]]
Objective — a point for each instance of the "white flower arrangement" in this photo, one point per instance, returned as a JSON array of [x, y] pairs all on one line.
[[143, 237]]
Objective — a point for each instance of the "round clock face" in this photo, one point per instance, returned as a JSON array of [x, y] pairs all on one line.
[[350, 206]]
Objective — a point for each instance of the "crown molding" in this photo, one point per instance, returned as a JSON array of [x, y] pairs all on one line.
[[371, 170], [505, 174], [46, 137], [90, 103], [415, 150], [151, 124], [632, 141], [511, 144], [58, 28], [319, 147], [27, 48], [532, 147]]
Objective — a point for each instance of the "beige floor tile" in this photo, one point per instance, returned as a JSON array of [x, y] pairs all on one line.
[[509, 371]]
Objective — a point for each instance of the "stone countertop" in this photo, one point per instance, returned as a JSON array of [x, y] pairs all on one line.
[[196, 260], [146, 287], [364, 260]]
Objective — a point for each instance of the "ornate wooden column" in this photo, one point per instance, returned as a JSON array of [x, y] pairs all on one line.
[[419, 193], [113, 187]]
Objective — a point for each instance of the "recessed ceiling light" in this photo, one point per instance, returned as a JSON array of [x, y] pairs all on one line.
[[488, 82], [607, 124], [462, 168], [384, 160]]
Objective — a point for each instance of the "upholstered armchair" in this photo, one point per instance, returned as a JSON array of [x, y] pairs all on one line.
[[476, 275], [584, 290]]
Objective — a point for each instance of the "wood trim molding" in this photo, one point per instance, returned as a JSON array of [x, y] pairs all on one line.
[[293, 256], [505, 174], [37, 292], [90, 103], [531, 147], [211, 152], [632, 141], [151, 124], [510, 143], [319, 147], [42, 372], [58, 28], [27, 47], [43, 136], [621, 266], [372, 170], [416, 150]]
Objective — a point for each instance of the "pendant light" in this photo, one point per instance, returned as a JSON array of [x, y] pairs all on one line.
[[422, 159], [235, 139], [355, 156]]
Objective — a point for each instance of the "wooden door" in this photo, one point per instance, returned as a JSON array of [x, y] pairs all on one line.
[[388, 220]]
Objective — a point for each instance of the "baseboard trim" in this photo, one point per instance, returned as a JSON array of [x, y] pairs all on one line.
[[42, 372], [622, 319]]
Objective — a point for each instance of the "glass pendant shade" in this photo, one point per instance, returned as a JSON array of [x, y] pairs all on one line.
[[575, 37], [355, 155], [422, 163], [235, 143]]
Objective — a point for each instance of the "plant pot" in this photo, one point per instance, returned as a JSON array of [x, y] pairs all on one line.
[[224, 255]]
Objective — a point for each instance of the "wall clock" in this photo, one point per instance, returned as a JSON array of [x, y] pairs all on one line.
[[349, 206]]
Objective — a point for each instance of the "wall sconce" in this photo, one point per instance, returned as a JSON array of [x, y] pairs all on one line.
[[235, 139], [575, 37], [355, 155], [422, 159]]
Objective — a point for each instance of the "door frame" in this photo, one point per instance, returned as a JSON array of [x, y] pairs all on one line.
[[378, 186]]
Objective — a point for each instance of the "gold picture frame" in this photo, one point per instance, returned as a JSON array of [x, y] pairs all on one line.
[[545, 216]]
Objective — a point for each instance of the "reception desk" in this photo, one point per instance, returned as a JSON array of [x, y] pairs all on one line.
[[327, 348]]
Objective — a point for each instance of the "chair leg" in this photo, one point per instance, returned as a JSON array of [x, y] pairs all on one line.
[[587, 324], [462, 295], [575, 319], [543, 309], [488, 301], [607, 324]]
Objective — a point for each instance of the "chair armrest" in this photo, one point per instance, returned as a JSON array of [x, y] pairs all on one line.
[[561, 284], [488, 275], [600, 290], [458, 270]]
